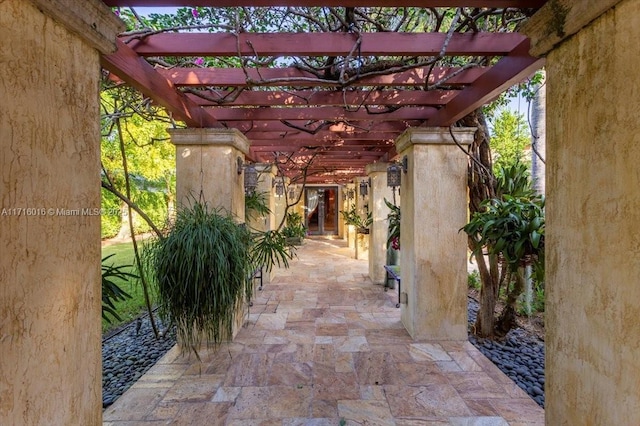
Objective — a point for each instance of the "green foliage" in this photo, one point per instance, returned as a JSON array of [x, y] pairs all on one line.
[[514, 180], [255, 205], [110, 222], [150, 158], [473, 280], [131, 308], [200, 270], [351, 217], [268, 249], [393, 235], [512, 227], [295, 227], [510, 136], [111, 291]]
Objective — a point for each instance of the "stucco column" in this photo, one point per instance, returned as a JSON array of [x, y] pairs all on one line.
[[434, 208], [592, 212], [280, 203], [50, 287], [207, 164], [362, 207], [266, 181], [348, 230], [378, 192]]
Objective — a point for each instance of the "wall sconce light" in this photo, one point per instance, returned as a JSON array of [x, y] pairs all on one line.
[[279, 188], [250, 178], [364, 188], [292, 193], [351, 194], [394, 172]]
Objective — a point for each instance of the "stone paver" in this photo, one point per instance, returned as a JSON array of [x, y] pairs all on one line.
[[324, 346]]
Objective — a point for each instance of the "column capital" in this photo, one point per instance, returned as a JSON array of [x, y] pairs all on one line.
[[266, 168], [556, 21], [434, 135], [91, 20], [380, 166], [210, 136]]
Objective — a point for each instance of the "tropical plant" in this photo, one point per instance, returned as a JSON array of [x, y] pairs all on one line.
[[393, 234], [111, 291], [352, 217], [510, 228], [200, 269], [295, 227], [255, 205], [268, 248]]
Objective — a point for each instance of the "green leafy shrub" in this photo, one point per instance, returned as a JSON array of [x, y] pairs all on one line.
[[111, 291], [295, 227]]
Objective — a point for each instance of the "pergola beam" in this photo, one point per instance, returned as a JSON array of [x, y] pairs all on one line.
[[326, 136], [508, 71], [294, 77], [324, 44], [249, 127], [321, 113], [137, 72], [536, 4], [325, 97]]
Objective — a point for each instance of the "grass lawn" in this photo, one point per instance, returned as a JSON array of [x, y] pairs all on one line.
[[130, 308]]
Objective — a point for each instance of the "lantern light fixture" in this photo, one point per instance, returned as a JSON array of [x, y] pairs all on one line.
[[394, 172], [279, 188], [364, 187], [250, 175]]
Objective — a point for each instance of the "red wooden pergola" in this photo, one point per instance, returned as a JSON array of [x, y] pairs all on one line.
[[344, 125]]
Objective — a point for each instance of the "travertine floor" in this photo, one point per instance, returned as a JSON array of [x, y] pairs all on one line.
[[324, 346]]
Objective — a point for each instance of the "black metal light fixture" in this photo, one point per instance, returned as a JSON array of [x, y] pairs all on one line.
[[364, 188], [351, 194], [394, 172], [250, 178], [292, 192], [279, 188]]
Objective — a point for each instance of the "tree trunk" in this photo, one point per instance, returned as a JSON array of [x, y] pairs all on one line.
[[485, 320], [507, 319], [538, 138], [481, 183]]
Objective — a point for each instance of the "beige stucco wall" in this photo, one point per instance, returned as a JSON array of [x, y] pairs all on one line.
[[593, 212], [50, 323]]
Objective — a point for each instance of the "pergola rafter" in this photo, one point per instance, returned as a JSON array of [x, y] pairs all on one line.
[[324, 44], [375, 84]]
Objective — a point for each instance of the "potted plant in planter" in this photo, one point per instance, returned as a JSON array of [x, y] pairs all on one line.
[[351, 217], [294, 231], [363, 225], [200, 268]]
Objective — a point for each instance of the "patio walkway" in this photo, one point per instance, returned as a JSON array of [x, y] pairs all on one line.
[[324, 346]]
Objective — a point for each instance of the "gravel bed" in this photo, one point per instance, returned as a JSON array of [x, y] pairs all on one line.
[[128, 355], [519, 355]]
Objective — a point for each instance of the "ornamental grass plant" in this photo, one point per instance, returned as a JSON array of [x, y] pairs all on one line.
[[200, 269]]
